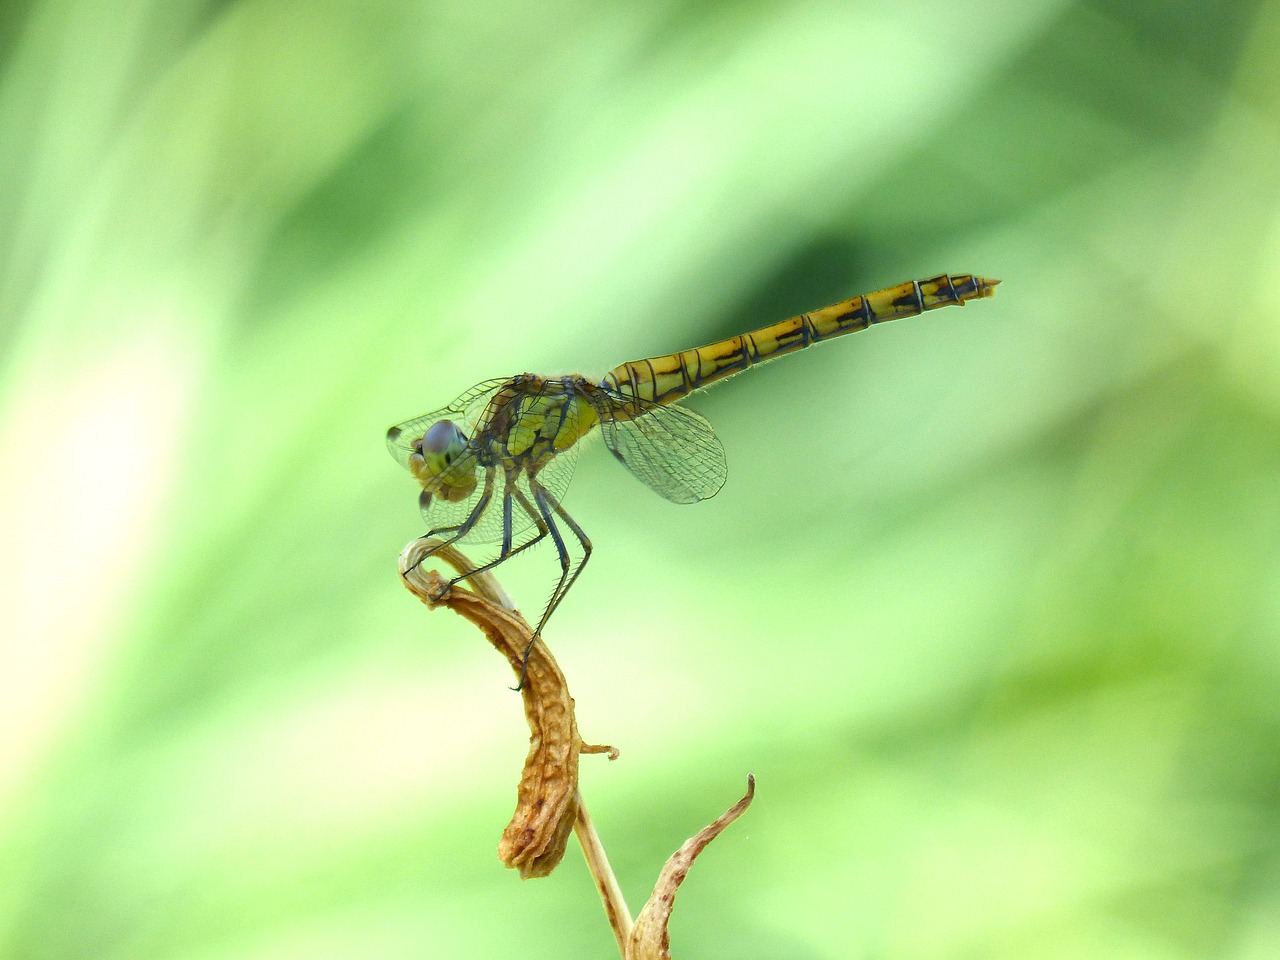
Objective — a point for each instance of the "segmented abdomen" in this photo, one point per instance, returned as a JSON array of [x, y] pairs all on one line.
[[667, 379]]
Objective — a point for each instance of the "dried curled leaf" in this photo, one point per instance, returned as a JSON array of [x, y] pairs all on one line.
[[534, 841], [649, 939]]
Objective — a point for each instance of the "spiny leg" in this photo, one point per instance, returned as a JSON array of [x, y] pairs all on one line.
[[547, 505], [512, 492], [505, 546], [458, 530], [583, 540]]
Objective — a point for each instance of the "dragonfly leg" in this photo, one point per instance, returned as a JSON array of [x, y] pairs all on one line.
[[507, 552], [583, 541], [458, 530], [505, 548], [549, 507]]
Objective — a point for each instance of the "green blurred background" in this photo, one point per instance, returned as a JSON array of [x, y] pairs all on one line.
[[990, 604]]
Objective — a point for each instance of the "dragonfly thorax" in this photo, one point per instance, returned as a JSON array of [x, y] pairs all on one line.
[[532, 419]]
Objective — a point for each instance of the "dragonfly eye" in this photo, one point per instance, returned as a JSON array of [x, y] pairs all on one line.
[[442, 444]]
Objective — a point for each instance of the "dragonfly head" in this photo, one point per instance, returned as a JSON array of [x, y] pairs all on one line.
[[434, 455]]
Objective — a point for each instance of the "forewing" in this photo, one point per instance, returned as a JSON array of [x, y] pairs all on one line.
[[444, 515], [671, 450], [466, 410], [555, 476], [404, 440]]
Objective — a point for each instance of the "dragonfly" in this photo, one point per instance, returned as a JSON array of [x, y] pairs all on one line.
[[495, 463]]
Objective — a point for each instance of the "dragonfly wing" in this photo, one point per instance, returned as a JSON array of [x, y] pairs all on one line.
[[557, 473], [671, 450], [467, 411], [489, 526], [445, 513], [466, 472], [405, 439], [442, 505]]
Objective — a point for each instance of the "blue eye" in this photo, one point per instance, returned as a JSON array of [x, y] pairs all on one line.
[[443, 439]]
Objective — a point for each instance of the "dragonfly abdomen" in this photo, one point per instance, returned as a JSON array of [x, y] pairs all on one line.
[[666, 379]]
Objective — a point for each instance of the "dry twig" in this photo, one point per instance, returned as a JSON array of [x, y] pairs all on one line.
[[548, 805]]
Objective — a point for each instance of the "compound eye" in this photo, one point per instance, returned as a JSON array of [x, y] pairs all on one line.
[[443, 440]]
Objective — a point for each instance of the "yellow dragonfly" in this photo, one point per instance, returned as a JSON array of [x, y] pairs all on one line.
[[495, 463]]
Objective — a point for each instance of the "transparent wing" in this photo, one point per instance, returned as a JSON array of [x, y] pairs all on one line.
[[480, 462], [554, 474], [488, 527], [467, 410], [441, 513], [671, 450], [557, 473]]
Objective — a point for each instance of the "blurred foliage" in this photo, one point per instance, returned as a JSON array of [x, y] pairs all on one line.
[[990, 603]]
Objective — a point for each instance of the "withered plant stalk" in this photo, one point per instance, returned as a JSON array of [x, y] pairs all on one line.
[[548, 804]]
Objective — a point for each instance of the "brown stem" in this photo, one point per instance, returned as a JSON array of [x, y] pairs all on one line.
[[615, 905]]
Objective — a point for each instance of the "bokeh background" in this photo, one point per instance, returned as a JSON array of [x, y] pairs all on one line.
[[990, 604]]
